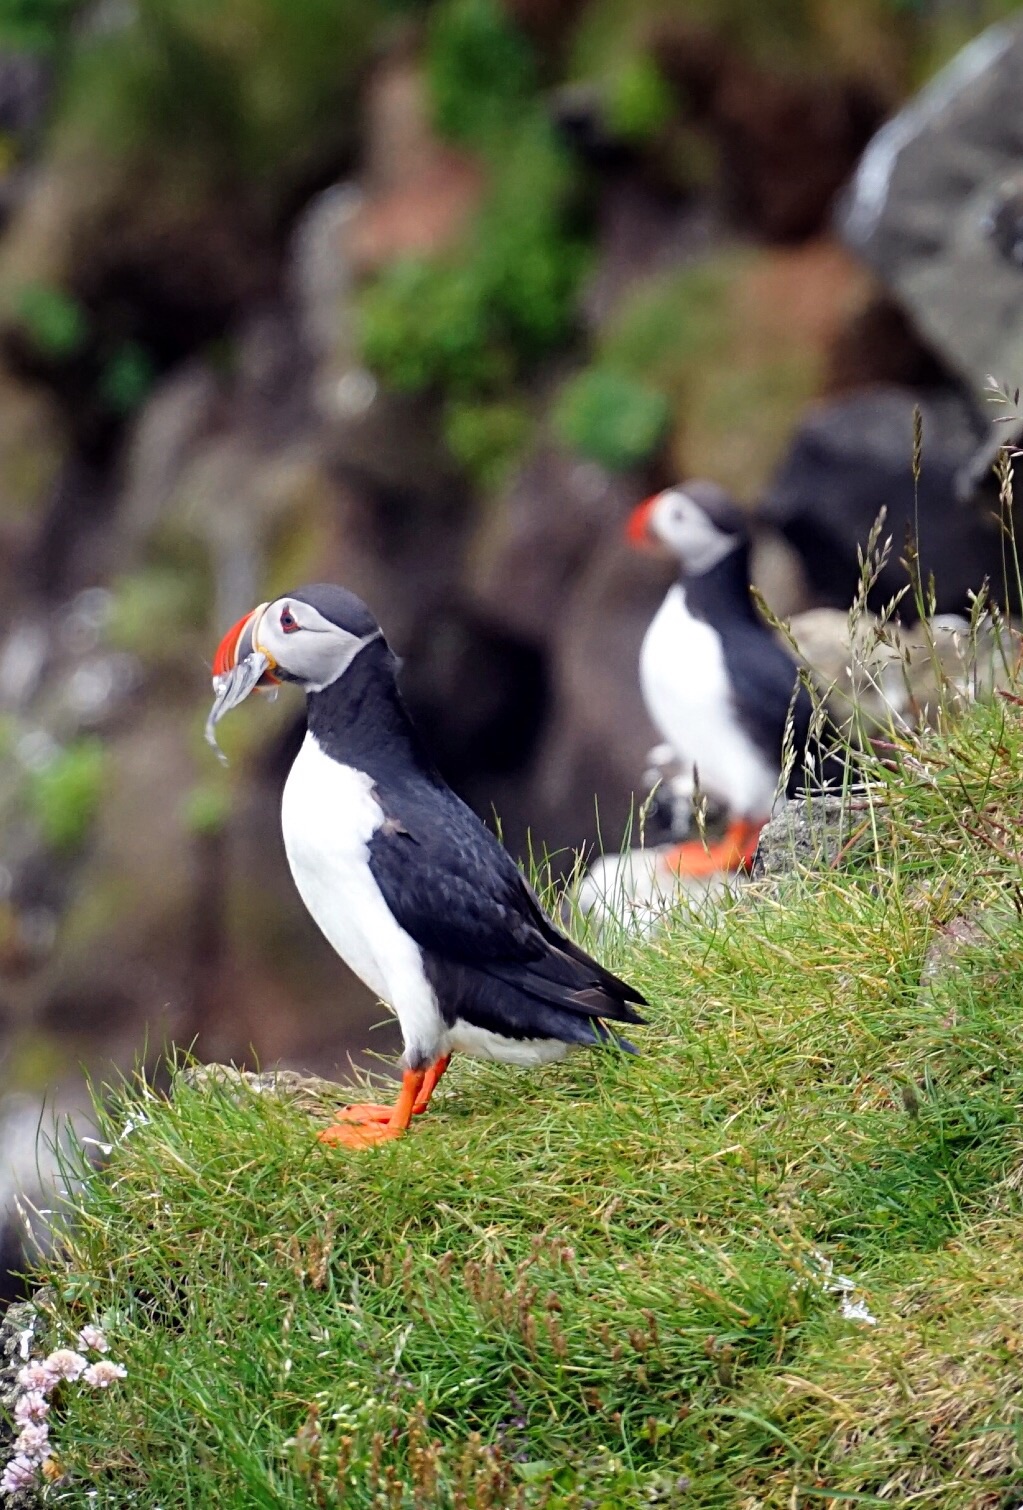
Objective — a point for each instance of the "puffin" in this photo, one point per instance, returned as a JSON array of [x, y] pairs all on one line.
[[718, 685], [411, 889]]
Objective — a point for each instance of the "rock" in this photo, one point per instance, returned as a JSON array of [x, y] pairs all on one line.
[[930, 209], [853, 456], [778, 573], [587, 767], [897, 675], [419, 193], [29, 1175], [308, 1093], [878, 344], [182, 411], [32, 444], [788, 143], [545, 551], [812, 833]]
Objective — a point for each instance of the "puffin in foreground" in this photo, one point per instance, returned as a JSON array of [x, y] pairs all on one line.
[[413, 891], [718, 685]]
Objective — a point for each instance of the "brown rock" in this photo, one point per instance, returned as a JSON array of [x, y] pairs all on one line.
[[788, 144], [419, 193], [540, 536]]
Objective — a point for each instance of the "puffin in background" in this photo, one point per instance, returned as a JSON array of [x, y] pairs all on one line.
[[717, 684], [414, 893]]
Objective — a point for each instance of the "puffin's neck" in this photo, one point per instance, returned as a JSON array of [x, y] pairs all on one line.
[[361, 721], [723, 592]]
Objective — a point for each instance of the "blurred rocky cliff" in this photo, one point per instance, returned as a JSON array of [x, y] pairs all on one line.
[[423, 297]]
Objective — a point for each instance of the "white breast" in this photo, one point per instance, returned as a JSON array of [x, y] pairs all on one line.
[[686, 691], [328, 816]]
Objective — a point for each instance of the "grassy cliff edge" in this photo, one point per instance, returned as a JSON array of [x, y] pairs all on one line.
[[772, 1262]]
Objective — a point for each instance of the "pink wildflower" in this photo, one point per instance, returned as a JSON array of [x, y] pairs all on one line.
[[34, 1442], [92, 1337], [36, 1376], [31, 1406], [99, 1375], [65, 1364], [19, 1474]]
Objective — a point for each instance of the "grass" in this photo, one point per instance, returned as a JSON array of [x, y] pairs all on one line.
[[614, 1282]]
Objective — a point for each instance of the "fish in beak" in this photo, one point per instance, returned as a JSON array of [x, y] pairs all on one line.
[[637, 526], [238, 668]]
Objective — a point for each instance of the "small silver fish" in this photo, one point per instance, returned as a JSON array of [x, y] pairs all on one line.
[[230, 689]]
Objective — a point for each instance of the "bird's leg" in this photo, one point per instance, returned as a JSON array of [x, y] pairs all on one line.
[[358, 1133], [430, 1082], [372, 1111], [365, 1114], [733, 851]]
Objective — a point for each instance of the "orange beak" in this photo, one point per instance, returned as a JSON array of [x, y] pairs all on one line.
[[237, 644], [637, 526]]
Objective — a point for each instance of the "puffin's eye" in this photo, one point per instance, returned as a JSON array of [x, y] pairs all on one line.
[[288, 621]]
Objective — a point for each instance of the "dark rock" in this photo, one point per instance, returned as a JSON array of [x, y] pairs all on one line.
[[788, 144], [588, 769], [879, 344], [933, 208], [853, 456], [543, 549]]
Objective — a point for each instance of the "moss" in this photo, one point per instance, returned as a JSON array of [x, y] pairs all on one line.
[[471, 326], [36, 25], [639, 101], [126, 378]]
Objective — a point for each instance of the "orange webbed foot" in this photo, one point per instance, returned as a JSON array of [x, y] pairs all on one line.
[[364, 1111], [365, 1123], [356, 1135]]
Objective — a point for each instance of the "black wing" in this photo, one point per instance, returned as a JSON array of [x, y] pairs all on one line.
[[765, 678], [454, 888]]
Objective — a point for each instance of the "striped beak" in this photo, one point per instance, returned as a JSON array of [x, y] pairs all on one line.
[[637, 526], [238, 669]]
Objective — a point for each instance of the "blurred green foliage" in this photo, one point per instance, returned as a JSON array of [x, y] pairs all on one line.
[[480, 70], [472, 321], [152, 605], [63, 795], [470, 324], [36, 25], [126, 378], [54, 321], [486, 438], [221, 94], [207, 807], [612, 418], [639, 102], [671, 322]]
